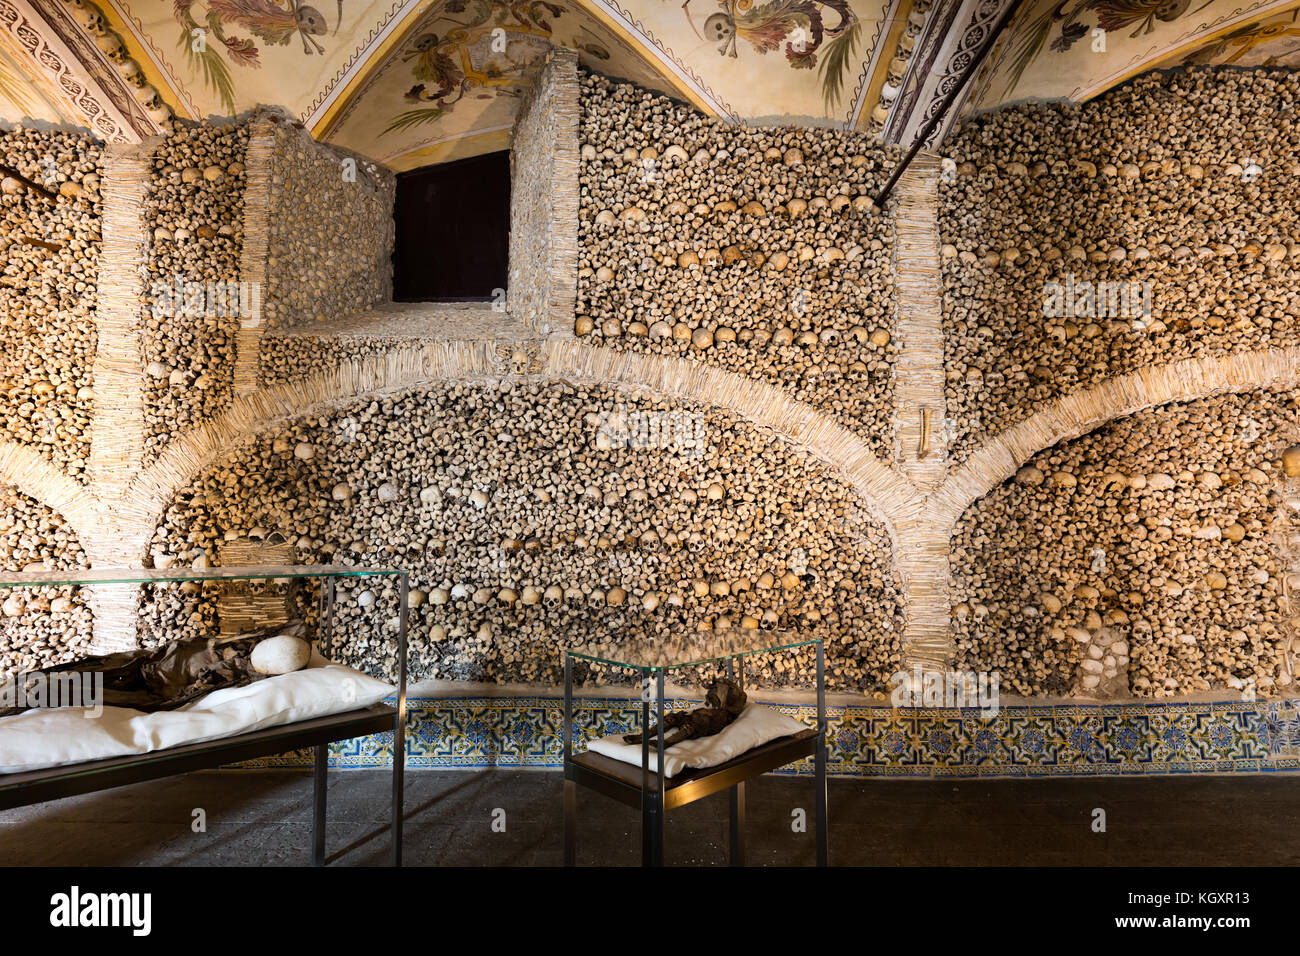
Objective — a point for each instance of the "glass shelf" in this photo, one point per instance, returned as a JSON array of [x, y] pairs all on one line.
[[670, 652], [32, 579]]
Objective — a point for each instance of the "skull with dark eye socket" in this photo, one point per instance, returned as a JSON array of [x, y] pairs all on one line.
[[719, 27], [311, 21], [1171, 9]]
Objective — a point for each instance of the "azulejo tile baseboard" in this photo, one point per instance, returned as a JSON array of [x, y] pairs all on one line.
[[872, 740]]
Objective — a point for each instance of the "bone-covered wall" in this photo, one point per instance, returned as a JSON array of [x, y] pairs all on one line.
[[195, 215], [755, 250], [1146, 557], [46, 625], [329, 232], [531, 514], [1186, 181], [643, 466], [49, 275]]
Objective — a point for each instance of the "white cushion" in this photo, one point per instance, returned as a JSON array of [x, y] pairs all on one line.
[[47, 737], [757, 724]]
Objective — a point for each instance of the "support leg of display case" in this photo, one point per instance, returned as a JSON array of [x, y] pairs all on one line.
[[660, 812], [570, 822], [570, 787], [819, 758], [737, 854], [399, 729], [320, 780], [647, 806]]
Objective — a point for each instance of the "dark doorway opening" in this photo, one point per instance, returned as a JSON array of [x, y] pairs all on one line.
[[452, 231]]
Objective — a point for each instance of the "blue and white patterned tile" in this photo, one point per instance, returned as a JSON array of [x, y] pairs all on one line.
[[873, 740]]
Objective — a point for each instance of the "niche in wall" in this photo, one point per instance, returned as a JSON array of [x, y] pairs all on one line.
[[452, 231]]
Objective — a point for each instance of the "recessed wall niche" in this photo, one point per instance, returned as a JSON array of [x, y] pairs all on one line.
[[452, 226]]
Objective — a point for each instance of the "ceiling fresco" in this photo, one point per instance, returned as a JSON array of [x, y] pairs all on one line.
[[1076, 49], [222, 57], [453, 86], [1272, 41], [412, 82]]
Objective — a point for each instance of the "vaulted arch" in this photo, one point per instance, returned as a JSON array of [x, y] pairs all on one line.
[[885, 494], [25, 469], [1081, 412]]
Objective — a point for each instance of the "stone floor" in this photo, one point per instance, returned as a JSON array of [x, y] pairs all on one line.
[[264, 818]]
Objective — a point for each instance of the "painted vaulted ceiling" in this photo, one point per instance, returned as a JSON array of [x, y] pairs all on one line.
[[411, 82]]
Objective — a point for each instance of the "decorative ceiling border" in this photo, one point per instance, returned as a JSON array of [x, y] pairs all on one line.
[[954, 48], [104, 57], [18, 50], [973, 101], [61, 69], [940, 24], [323, 112], [372, 72], [983, 19], [34, 98], [135, 27], [888, 13]]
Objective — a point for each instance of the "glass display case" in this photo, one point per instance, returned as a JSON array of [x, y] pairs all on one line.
[[653, 658], [23, 789]]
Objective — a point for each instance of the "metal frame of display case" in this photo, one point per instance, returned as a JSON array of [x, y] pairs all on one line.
[[655, 796], [37, 786]]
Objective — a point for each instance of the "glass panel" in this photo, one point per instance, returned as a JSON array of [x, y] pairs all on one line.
[[29, 579], [670, 651]]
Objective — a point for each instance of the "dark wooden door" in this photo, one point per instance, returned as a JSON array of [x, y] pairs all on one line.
[[452, 230]]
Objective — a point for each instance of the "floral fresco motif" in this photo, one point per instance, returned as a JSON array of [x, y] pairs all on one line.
[[1072, 20], [1116, 15], [1273, 42], [473, 45], [273, 22], [798, 28]]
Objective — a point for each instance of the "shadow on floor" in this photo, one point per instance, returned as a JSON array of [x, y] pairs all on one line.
[[263, 818]]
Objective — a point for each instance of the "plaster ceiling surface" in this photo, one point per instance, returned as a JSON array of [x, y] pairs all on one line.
[[411, 82], [453, 86], [1077, 49], [1273, 41], [21, 98]]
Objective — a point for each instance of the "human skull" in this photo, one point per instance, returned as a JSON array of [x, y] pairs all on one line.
[[310, 20], [111, 47], [719, 27], [130, 71], [90, 18], [148, 97]]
